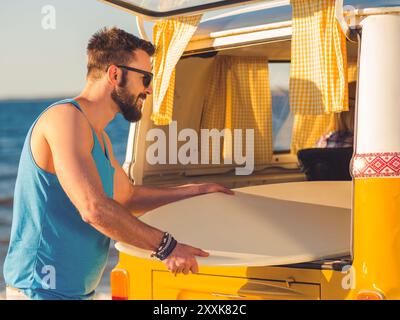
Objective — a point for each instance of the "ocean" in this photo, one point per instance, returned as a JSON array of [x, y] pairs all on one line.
[[16, 117]]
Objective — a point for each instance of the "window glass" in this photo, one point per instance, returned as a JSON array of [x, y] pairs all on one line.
[[282, 119]]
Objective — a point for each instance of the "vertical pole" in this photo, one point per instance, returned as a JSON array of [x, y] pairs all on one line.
[[376, 163]]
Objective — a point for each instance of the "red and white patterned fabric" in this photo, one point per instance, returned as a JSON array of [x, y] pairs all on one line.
[[373, 165]]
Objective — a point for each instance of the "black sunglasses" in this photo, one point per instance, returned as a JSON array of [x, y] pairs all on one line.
[[147, 76]]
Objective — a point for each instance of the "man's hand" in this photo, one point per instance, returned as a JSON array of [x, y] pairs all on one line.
[[183, 259], [213, 187]]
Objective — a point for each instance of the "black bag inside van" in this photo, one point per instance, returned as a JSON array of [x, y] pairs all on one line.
[[332, 164]]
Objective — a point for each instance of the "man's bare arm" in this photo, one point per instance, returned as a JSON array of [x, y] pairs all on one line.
[[144, 199], [140, 199]]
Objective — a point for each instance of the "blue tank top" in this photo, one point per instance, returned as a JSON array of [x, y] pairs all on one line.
[[53, 253]]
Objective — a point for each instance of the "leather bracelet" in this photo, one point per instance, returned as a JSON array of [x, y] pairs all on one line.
[[167, 245], [168, 250]]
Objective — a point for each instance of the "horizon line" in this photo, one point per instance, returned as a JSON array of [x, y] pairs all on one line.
[[36, 98]]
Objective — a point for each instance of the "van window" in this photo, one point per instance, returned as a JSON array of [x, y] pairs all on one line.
[[282, 119]]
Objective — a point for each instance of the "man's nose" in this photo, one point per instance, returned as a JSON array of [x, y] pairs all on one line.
[[149, 89]]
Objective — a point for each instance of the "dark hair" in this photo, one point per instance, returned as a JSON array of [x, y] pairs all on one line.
[[113, 46]]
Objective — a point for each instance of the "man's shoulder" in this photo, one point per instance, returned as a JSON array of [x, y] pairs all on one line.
[[64, 119], [64, 115], [64, 110]]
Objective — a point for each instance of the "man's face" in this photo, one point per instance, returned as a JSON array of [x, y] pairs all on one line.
[[130, 93]]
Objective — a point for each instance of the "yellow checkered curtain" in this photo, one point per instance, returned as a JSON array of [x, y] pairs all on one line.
[[170, 37], [239, 97], [352, 70], [318, 75], [307, 130]]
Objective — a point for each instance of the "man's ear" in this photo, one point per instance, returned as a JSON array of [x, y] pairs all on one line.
[[112, 74]]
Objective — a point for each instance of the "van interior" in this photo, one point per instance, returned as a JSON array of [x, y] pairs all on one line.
[[192, 76]]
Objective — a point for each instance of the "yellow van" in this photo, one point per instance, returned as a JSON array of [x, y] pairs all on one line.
[[281, 236]]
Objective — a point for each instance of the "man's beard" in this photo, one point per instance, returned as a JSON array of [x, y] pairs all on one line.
[[127, 103]]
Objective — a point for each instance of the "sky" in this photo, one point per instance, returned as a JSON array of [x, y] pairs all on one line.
[[37, 62], [41, 62]]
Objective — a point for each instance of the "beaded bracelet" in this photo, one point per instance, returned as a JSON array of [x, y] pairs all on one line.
[[167, 245]]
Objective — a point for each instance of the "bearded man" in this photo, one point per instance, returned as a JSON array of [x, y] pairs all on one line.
[[72, 196]]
